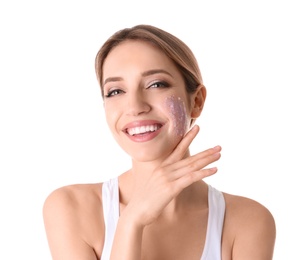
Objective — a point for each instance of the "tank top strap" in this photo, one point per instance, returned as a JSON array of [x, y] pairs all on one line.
[[216, 204], [110, 202]]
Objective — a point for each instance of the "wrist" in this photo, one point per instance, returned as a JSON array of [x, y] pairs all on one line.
[[130, 221]]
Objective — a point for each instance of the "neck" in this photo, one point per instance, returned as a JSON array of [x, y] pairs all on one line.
[[140, 173]]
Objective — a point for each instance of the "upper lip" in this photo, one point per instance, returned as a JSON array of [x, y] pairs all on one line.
[[135, 126]]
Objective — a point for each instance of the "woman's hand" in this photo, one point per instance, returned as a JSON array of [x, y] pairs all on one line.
[[168, 180], [173, 175]]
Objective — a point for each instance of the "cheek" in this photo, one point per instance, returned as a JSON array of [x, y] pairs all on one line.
[[110, 116], [177, 111]]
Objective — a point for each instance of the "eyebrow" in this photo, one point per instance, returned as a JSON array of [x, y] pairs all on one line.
[[144, 74], [157, 71], [112, 79]]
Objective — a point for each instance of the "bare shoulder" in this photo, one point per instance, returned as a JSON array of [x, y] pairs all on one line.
[[246, 209], [74, 222], [74, 195], [250, 227]]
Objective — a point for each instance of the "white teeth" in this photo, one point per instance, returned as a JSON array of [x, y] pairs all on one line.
[[142, 129]]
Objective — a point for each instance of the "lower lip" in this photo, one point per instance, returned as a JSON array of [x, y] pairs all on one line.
[[144, 137]]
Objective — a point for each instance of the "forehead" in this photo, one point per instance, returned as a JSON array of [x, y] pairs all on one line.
[[137, 54]]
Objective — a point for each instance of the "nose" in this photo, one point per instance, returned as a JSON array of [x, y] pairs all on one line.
[[137, 104]]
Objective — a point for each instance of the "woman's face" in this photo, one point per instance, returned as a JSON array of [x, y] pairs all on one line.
[[146, 104]]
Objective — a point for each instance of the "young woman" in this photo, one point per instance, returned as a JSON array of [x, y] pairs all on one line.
[[160, 208]]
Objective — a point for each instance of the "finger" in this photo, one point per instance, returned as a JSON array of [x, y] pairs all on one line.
[[181, 149], [193, 177], [195, 165], [189, 161]]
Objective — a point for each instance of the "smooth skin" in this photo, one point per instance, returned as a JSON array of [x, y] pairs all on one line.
[[163, 197]]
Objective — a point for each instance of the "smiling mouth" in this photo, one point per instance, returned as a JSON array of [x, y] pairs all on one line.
[[140, 130]]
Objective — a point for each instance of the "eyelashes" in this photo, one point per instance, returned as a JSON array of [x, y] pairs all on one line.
[[159, 84], [154, 85], [114, 92]]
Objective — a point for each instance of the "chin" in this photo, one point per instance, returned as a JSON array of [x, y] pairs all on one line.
[[154, 152]]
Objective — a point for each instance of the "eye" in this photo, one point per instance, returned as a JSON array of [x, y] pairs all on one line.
[[114, 92], [159, 84]]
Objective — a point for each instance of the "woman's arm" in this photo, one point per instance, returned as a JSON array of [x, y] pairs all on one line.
[[127, 240], [255, 230], [65, 227]]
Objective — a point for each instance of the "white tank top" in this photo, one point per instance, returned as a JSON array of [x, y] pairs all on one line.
[[216, 204]]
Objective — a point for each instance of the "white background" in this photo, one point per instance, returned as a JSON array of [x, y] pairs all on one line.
[[252, 55]]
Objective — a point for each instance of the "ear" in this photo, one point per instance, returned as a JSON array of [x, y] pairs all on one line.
[[197, 102]]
